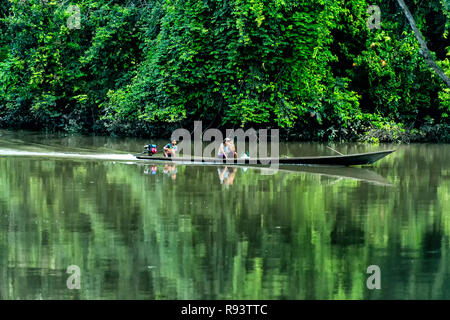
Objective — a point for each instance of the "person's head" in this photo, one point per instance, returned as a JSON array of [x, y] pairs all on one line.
[[227, 141], [174, 142]]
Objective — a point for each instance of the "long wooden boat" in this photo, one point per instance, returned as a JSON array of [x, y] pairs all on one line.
[[338, 160]]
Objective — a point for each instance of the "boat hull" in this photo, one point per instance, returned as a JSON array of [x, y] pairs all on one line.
[[339, 160]]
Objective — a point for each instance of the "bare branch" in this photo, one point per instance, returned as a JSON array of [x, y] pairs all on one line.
[[423, 45]]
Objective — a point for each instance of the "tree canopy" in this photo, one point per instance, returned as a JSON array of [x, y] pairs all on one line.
[[312, 68]]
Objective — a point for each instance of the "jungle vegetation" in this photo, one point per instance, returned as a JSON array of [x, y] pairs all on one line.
[[145, 67]]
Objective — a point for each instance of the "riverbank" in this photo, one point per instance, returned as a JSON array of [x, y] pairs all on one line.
[[439, 133], [380, 133]]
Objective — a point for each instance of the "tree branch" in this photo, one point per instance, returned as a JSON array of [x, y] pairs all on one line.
[[423, 45]]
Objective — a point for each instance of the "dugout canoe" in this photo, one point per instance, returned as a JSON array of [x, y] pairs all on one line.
[[337, 160]]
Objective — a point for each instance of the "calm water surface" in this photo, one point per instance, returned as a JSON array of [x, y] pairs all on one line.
[[152, 231]]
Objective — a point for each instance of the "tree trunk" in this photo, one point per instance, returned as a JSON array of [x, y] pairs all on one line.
[[423, 45]]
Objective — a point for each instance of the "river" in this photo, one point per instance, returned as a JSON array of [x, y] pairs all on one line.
[[142, 230]]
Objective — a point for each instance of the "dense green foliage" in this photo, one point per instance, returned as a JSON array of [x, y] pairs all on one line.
[[313, 68]]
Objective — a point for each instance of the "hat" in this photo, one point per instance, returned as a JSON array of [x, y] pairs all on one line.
[[227, 139]]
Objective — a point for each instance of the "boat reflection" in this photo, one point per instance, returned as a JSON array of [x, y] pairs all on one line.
[[227, 174], [360, 174], [171, 171], [151, 170]]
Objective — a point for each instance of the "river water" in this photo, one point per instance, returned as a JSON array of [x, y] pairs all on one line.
[[142, 230]]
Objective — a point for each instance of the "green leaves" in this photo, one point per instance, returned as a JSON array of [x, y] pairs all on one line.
[[299, 65]]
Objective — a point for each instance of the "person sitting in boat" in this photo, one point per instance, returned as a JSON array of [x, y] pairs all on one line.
[[224, 149], [227, 149], [233, 153], [170, 149]]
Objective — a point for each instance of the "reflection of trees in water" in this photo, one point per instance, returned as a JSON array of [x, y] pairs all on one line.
[[281, 236], [345, 231]]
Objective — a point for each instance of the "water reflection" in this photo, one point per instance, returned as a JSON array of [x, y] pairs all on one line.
[[299, 233], [171, 171], [152, 170], [226, 175]]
